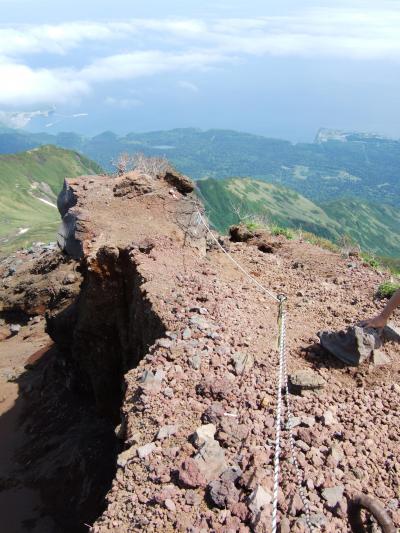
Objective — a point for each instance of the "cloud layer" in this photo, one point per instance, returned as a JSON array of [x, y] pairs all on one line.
[[88, 54]]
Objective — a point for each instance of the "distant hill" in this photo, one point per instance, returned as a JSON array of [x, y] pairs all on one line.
[[338, 164], [29, 184], [374, 228]]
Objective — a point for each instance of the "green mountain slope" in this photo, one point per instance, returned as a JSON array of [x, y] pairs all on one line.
[[29, 184], [375, 228], [277, 204]]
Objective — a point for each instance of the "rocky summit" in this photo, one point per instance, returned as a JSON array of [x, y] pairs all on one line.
[[153, 409]]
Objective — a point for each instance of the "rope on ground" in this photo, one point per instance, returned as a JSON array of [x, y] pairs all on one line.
[[289, 415], [249, 276]]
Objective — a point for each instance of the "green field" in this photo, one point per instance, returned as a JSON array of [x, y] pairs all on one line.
[[29, 183]]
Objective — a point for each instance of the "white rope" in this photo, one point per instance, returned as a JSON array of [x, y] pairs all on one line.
[[233, 260], [282, 341], [292, 446]]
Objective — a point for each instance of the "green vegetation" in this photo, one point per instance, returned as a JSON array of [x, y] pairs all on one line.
[[387, 289], [375, 227], [371, 260], [347, 223], [278, 230], [326, 244], [239, 199], [29, 185]]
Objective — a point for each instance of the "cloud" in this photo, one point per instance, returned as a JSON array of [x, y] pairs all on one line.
[[123, 103], [22, 85], [20, 119], [134, 49], [188, 85]]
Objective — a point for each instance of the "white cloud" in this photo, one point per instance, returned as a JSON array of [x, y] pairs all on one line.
[[123, 103], [148, 47], [20, 119], [22, 85], [188, 85]]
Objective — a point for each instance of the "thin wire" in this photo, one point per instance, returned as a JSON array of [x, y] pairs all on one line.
[[233, 260]]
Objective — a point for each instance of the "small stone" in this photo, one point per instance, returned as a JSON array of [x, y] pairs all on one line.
[[210, 460], [187, 333], [306, 380], [69, 279], [265, 402], [296, 505], [333, 495], [195, 362], [223, 493], [189, 474], [258, 499], [308, 421], [242, 362], [145, 450], [169, 504], [203, 434], [328, 419], [335, 456], [284, 525], [294, 422], [231, 432], [15, 329], [164, 343], [214, 413], [166, 431], [303, 446], [124, 456], [151, 382], [379, 358], [232, 474], [193, 498], [199, 322]]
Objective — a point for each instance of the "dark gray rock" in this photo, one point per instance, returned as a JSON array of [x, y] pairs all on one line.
[[352, 346], [66, 199], [66, 239], [223, 493]]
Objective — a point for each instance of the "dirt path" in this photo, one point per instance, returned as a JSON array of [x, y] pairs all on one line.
[[20, 506]]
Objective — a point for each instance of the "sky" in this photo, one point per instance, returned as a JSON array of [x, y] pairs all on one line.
[[281, 70]]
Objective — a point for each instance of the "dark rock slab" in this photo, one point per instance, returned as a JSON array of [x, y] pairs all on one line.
[[352, 346]]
